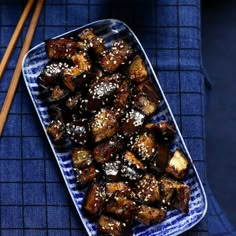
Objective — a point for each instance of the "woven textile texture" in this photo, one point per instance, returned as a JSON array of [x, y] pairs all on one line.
[[33, 197]]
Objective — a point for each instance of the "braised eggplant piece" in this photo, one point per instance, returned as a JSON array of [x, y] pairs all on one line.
[[147, 189], [103, 152], [81, 61], [72, 104], [112, 227], [78, 131], [97, 44], [104, 125], [58, 93], [178, 165], [144, 146], [168, 188], [106, 86], [160, 159], [51, 74], [148, 99], [132, 168], [112, 187], [163, 131], [121, 207], [130, 158], [56, 113], [71, 77], [118, 55], [92, 41], [77, 80], [137, 70], [94, 200], [86, 175], [175, 194], [182, 198], [61, 48], [132, 122], [149, 215], [56, 129], [81, 157], [121, 99], [111, 170], [121, 96], [87, 34], [101, 91]]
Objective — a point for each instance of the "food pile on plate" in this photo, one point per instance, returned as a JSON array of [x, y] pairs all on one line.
[[101, 99]]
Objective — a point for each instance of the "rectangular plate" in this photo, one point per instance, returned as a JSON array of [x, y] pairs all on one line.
[[111, 29]]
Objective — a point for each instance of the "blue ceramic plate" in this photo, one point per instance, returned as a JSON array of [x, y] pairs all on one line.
[[111, 29]]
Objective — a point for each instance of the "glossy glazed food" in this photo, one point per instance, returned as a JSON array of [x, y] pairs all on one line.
[[104, 102]]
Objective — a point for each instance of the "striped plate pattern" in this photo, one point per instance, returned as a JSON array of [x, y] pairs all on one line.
[[111, 29]]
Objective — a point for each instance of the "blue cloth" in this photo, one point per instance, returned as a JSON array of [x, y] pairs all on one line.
[[34, 198]]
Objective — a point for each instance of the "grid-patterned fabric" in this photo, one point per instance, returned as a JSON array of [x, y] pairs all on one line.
[[218, 223], [33, 196]]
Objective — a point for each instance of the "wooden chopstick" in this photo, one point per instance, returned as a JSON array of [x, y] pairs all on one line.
[[17, 73], [15, 37]]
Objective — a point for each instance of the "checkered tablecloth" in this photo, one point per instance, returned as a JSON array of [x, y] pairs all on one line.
[[33, 197]]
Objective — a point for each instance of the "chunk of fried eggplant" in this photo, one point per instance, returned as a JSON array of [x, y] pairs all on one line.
[[118, 55], [105, 151], [137, 70], [132, 168], [86, 175], [102, 90], [175, 194], [163, 131], [81, 157], [94, 200], [61, 48], [147, 189], [51, 74], [81, 61], [112, 227], [160, 159], [104, 125], [147, 99], [112, 187], [121, 207], [78, 130], [121, 100], [58, 94], [177, 165], [132, 122], [56, 130], [92, 41], [144, 146], [148, 215], [111, 170]]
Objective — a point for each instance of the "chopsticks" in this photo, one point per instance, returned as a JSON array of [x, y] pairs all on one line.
[[15, 37], [17, 73]]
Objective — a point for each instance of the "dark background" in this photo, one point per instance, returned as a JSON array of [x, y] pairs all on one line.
[[219, 59]]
